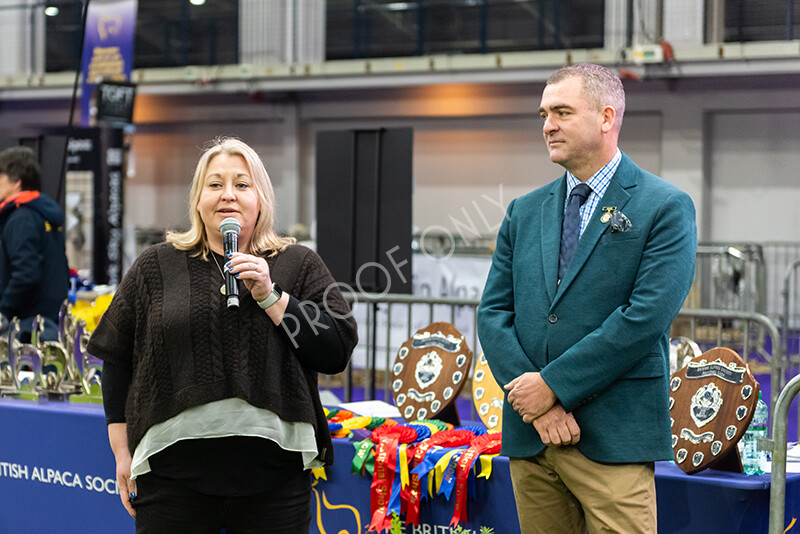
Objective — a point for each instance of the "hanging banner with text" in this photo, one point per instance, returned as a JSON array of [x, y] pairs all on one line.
[[108, 47]]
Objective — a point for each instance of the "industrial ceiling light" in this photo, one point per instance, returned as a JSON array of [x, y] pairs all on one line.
[[51, 11], [197, 2]]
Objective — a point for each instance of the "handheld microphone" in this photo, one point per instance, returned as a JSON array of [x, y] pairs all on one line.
[[229, 228]]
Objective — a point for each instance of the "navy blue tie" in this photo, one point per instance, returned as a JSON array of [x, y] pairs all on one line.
[[570, 230]]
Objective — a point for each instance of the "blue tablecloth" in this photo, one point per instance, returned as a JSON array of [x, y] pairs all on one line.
[[57, 475]]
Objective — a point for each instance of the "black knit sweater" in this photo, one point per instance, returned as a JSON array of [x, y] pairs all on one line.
[[168, 323]]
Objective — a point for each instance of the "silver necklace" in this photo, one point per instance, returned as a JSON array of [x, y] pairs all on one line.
[[222, 288]]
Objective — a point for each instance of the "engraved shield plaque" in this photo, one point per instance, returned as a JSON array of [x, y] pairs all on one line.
[[429, 371], [487, 396], [711, 403]]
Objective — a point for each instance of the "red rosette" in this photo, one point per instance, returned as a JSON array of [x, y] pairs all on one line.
[[402, 433], [452, 438], [488, 443]]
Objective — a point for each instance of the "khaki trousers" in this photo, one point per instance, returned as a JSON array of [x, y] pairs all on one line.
[[560, 491]]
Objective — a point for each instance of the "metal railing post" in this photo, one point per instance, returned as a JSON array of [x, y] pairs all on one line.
[[785, 318], [780, 423], [787, 282]]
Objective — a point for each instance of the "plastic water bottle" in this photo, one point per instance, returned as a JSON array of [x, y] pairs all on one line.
[[754, 461]]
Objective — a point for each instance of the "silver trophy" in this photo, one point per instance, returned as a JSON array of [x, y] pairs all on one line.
[[89, 368], [55, 362], [72, 382], [24, 361], [6, 367]]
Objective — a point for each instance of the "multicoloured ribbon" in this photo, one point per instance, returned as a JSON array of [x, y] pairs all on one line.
[[412, 494], [485, 444]]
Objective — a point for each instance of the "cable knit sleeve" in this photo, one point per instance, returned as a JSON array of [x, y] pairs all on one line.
[[318, 322], [113, 339]]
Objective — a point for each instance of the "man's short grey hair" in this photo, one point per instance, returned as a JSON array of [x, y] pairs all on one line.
[[600, 86]]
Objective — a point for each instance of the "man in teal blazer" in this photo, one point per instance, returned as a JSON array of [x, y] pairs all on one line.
[[585, 358]]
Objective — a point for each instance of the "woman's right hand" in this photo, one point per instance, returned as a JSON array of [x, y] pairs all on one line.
[[127, 487], [118, 437]]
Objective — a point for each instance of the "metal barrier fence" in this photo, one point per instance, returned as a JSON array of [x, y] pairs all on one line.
[[731, 276], [753, 335], [778, 257], [746, 277], [382, 329], [387, 320]]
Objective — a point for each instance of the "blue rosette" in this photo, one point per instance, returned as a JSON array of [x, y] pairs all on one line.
[[423, 432], [333, 427]]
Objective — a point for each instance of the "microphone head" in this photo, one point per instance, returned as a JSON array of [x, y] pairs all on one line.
[[230, 225]]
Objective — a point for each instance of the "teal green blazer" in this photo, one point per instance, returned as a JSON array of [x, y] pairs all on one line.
[[600, 338]]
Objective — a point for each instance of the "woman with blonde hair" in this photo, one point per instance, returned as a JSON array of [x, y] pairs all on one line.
[[213, 412]]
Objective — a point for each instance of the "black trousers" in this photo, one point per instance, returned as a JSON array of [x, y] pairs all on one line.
[[166, 506]]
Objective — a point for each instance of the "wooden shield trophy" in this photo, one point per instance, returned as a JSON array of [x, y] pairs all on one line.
[[429, 372], [487, 395], [712, 401]]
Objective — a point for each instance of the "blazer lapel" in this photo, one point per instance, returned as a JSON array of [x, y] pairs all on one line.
[[617, 196], [552, 218]]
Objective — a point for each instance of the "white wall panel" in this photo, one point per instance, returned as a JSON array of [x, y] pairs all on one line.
[[164, 158], [683, 22], [755, 176], [15, 32]]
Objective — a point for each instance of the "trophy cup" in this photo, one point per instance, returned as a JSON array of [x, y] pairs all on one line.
[[25, 363], [6, 368], [66, 338], [90, 368], [54, 362]]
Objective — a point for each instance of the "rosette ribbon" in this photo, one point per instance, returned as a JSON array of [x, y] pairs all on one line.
[[485, 444], [340, 415], [446, 473], [412, 494], [363, 450], [396, 504], [346, 425], [387, 439]]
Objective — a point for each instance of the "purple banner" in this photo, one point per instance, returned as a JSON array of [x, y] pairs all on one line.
[[108, 47]]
